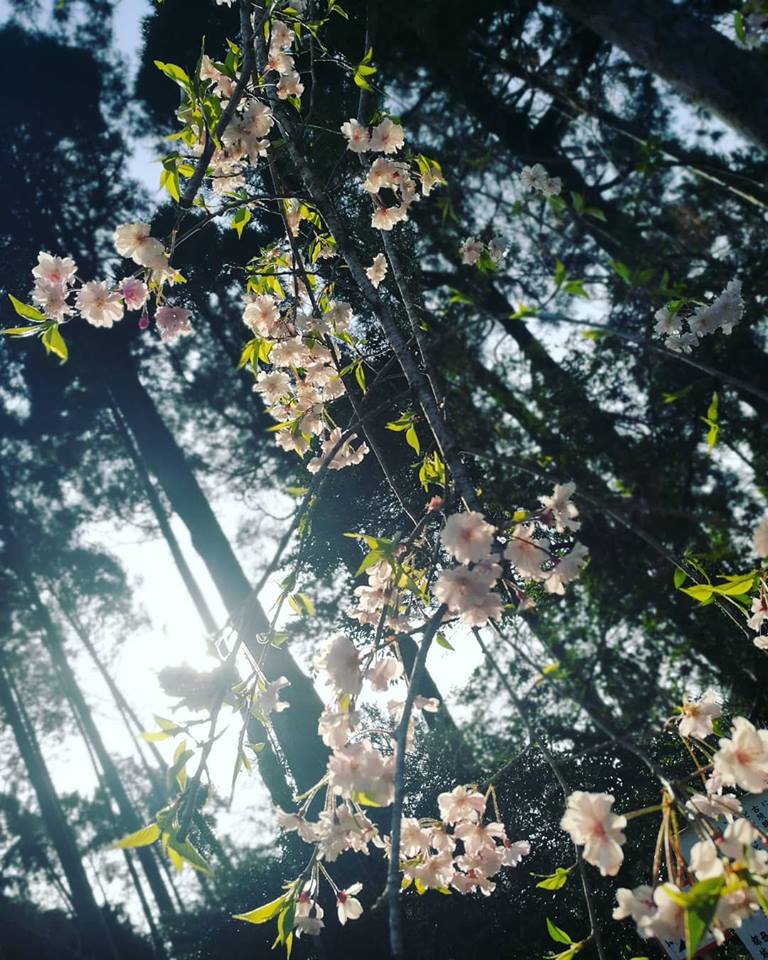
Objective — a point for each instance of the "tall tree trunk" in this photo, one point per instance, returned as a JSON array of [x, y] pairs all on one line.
[[19, 561], [185, 572], [296, 728], [695, 59], [155, 774], [94, 933]]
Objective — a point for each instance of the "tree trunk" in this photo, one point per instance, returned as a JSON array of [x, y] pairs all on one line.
[[695, 59], [296, 728], [188, 578], [96, 941], [20, 562]]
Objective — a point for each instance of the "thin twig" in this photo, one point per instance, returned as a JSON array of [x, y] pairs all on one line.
[[401, 738]]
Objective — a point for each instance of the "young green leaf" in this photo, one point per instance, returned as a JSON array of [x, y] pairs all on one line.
[[556, 880], [24, 310], [141, 838], [558, 935], [264, 913]]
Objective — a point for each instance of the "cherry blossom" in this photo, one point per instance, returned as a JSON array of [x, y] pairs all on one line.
[[173, 322], [760, 538], [468, 537], [535, 179], [591, 823], [99, 305], [471, 250], [638, 903], [358, 136], [348, 906], [54, 270], [308, 917], [742, 760], [359, 768], [135, 293], [387, 137], [698, 715], [377, 270], [51, 296], [560, 510], [566, 569], [340, 664], [526, 553], [469, 592], [462, 803], [268, 700], [336, 726]]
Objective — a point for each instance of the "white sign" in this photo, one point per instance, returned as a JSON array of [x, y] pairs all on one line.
[[753, 932], [676, 948]]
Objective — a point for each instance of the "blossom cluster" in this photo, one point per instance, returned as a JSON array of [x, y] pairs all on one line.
[[535, 179], [728, 847], [395, 177], [725, 311], [472, 250], [302, 377], [759, 610], [468, 590], [458, 851], [101, 303]]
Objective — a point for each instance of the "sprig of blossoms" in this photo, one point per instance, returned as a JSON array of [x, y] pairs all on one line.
[[725, 311], [535, 179], [469, 590], [102, 303], [474, 251]]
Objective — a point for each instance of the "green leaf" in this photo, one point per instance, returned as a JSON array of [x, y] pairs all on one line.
[[735, 586], [24, 310], [701, 592], [575, 288], [739, 26], [360, 377], [558, 935], [442, 641], [679, 578], [370, 560], [141, 838], [306, 603], [240, 220], [556, 880], [363, 70], [622, 269], [702, 900], [187, 852], [169, 179], [154, 736], [458, 297], [54, 342], [21, 331], [364, 800], [174, 73], [263, 914], [412, 439]]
